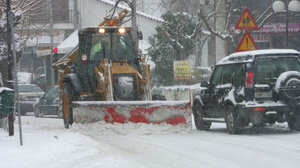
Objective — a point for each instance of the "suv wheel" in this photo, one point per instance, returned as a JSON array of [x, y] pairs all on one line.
[[198, 118], [294, 123], [232, 120]]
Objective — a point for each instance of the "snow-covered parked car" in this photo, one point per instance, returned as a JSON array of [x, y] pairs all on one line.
[[28, 93], [257, 87]]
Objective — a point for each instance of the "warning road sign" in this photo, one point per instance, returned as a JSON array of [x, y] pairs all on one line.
[[246, 21], [247, 43]]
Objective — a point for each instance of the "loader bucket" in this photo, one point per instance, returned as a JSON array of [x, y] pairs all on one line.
[[156, 112]]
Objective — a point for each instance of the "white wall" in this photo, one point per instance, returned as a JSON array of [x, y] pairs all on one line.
[[92, 13], [220, 24]]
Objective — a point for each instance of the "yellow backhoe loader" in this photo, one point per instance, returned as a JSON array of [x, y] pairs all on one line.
[[104, 79]]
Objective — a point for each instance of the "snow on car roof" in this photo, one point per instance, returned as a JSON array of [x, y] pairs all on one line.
[[247, 56], [4, 88]]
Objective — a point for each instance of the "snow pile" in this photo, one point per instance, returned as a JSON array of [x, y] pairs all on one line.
[[103, 128]]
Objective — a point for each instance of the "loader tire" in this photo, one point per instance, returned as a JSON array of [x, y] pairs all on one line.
[[67, 110]]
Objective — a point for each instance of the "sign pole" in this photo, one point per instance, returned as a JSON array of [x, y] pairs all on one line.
[[190, 98], [16, 76]]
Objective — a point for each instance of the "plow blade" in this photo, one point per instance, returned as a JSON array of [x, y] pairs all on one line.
[[156, 112]]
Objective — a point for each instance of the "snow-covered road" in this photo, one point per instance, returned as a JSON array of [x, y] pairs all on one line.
[[47, 144]]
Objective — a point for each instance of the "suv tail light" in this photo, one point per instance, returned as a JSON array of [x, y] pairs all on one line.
[[249, 80]]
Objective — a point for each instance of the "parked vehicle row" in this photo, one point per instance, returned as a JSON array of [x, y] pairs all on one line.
[[28, 94], [256, 87]]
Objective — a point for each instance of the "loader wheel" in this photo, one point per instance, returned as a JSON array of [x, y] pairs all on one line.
[[67, 105], [198, 118]]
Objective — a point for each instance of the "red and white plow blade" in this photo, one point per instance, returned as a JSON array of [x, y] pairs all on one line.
[[156, 112]]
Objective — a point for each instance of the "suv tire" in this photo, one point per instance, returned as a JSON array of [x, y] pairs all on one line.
[[232, 120], [294, 123], [198, 118]]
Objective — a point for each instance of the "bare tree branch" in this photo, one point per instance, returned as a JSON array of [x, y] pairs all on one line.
[[202, 17]]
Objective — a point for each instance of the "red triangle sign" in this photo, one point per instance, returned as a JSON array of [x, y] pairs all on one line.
[[247, 43], [246, 21]]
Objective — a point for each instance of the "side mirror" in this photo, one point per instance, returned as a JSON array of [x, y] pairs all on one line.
[[204, 84]]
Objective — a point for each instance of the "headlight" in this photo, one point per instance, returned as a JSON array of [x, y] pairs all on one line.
[[121, 30], [101, 30]]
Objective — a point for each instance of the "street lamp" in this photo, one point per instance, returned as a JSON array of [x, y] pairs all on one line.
[[288, 5]]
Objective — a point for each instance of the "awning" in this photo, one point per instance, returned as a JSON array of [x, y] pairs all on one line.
[[68, 44]]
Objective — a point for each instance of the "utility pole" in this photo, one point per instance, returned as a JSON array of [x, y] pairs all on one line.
[[16, 76], [286, 24], [134, 26], [75, 13], [9, 82], [51, 45], [11, 41]]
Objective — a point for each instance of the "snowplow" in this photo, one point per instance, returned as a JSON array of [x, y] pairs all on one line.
[[105, 79]]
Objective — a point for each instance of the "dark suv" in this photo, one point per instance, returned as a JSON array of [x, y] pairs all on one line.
[[258, 87]]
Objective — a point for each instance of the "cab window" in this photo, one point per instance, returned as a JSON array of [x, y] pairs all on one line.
[[238, 75], [216, 78], [227, 71]]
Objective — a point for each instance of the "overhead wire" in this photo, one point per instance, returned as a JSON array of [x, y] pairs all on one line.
[[130, 6]]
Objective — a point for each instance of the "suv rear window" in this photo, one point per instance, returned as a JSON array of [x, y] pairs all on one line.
[[270, 68]]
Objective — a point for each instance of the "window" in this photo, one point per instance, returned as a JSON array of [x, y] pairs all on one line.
[[29, 88], [271, 67], [51, 94], [121, 47], [238, 75], [216, 78], [227, 71]]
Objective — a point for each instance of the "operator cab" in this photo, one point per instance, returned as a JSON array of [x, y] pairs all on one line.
[[111, 43]]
